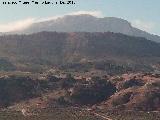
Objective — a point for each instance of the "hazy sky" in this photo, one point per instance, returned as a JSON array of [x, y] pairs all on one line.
[[144, 14]]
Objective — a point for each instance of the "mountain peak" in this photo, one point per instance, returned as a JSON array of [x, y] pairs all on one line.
[[89, 23]]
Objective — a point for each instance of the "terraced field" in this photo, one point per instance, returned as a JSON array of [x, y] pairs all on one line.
[[77, 114], [47, 114]]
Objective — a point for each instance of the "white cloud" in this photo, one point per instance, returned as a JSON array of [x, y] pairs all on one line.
[[16, 25], [143, 25], [93, 13], [22, 24]]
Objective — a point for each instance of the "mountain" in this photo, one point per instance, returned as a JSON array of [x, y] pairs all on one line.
[[88, 23], [52, 48]]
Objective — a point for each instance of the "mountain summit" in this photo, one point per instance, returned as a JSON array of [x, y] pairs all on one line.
[[88, 23]]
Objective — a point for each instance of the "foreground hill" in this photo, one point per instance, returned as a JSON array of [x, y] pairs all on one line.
[[48, 96], [138, 93], [52, 48], [88, 23]]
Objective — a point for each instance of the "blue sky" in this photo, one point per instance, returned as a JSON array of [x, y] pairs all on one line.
[[144, 14]]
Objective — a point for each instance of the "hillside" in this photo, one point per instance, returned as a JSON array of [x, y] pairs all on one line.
[[52, 48]]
